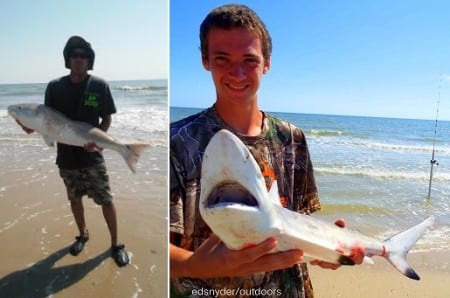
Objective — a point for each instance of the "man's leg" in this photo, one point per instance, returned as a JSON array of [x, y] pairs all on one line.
[[100, 191], [78, 214], [118, 251], [109, 213], [72, 179]]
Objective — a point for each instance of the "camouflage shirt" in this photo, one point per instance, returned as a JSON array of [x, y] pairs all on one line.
[[282, 153]]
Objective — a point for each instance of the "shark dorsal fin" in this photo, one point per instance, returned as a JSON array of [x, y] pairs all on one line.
[[274, 196]]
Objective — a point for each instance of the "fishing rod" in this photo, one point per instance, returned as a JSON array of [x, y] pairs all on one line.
[[434, 161]]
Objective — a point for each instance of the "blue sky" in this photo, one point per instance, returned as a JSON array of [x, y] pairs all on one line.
[[130, 38], [383, 58]]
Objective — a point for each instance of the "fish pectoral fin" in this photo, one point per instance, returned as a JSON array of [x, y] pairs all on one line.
[[274, 194], [368, 260], [48, 141]]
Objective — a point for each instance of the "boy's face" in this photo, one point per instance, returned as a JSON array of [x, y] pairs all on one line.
[[236, 63], [79, 61]]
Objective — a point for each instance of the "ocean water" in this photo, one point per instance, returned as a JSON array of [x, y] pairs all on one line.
[[375, 172]]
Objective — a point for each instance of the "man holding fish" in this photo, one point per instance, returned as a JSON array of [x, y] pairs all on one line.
[[85, 98], [236, 49]]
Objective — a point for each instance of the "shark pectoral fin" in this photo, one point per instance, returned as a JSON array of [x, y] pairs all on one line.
[[48, 140], [368, 260], [273, 193]]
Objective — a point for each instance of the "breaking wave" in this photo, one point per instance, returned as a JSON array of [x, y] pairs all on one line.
[[139, 88], [382, 173], [326, 132]]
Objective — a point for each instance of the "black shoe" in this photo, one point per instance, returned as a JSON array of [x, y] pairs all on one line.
[[120, 255], [78, 245]]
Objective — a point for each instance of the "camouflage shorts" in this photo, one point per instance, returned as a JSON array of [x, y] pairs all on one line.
[[92, 181]]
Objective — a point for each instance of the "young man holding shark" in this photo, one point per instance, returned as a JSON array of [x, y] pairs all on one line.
[[86, 98], [236, 49]]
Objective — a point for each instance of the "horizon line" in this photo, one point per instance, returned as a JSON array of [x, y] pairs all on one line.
[[330, 114]]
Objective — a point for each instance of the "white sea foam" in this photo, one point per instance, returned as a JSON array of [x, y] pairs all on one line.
[[139, 88], [408, 147], [382, 173], [357, 143], [140, 120], [326, 132]]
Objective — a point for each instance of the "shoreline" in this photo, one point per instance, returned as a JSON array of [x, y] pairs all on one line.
[[383, 280]]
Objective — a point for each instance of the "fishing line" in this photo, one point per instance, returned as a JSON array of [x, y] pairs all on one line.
[[434, 161]]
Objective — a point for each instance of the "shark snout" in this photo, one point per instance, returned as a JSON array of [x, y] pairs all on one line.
[[11, 110], [19, 111]]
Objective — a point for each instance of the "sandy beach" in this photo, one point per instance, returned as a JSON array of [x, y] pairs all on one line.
[[37, 228], [382, 280]]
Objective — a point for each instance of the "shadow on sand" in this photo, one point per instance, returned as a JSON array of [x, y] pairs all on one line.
[[41, 280]]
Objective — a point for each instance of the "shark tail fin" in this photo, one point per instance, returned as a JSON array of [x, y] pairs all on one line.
[[398, 246], [132, 154]]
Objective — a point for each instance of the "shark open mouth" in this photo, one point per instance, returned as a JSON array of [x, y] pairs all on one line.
[[230, 192]]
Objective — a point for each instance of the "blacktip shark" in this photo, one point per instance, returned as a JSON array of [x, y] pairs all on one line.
[[56, 127], [236, 205]]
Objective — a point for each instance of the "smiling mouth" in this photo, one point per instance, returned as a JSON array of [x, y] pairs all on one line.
[[237, 88], [230, 192]]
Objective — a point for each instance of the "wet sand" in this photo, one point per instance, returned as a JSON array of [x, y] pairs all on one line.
[[383, 280], [37, 228]]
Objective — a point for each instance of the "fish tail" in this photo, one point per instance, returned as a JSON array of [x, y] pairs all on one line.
[[398, 246], [132, 154]]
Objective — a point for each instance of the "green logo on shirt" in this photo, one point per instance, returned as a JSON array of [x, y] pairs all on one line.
[[91, 100]]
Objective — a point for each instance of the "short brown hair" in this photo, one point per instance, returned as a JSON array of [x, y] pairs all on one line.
[[235, 16]]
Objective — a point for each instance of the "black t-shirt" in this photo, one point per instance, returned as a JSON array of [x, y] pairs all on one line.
[[87, 101]]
